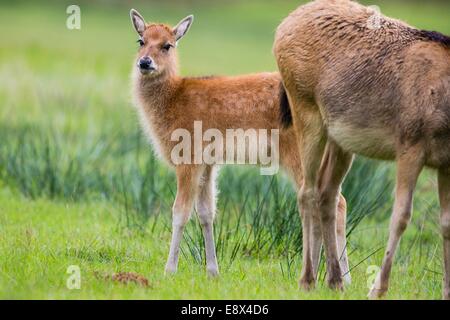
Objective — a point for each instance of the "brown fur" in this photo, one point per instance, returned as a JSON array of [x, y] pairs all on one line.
[[379, 92], [167, 102]]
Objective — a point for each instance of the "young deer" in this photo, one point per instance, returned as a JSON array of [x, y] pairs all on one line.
[[166, 102], [362, 83]]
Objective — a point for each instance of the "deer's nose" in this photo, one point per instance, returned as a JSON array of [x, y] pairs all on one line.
[[146, 63]]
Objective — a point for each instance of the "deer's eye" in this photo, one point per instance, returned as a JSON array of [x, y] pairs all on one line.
[[167, 46], [141, 42]]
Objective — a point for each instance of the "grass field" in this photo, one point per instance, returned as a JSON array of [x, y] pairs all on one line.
[[79, 185]]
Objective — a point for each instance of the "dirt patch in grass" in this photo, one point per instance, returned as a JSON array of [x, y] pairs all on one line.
[[125, 278]]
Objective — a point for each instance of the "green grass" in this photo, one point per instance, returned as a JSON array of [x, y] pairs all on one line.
[[40, 239], [79, 184]]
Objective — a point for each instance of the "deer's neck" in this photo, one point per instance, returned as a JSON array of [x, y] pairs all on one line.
[[154, 97], [154, 94]]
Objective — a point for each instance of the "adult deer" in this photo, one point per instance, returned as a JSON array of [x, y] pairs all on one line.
[[167, 102], [362, 83]]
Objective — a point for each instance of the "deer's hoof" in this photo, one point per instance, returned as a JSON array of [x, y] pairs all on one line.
[[376, 294], [336, 284], [347, 279], [213, 272], [446, 295], [307, 284], [170, 270]]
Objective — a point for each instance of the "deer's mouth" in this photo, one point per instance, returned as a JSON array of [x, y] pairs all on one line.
[[146, 71]]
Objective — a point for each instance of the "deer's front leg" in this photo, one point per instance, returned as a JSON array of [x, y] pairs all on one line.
[[444, 196], [206, 209], [187, 186], [341, 230]]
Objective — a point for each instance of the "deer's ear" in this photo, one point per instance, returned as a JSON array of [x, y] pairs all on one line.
[[182, 27], [138, 22]]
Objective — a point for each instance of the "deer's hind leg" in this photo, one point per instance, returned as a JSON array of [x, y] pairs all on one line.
[[311, 137], [188, 180], [409, 165], [206, 209], [335, 166], [444, 196], [290, 160]]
